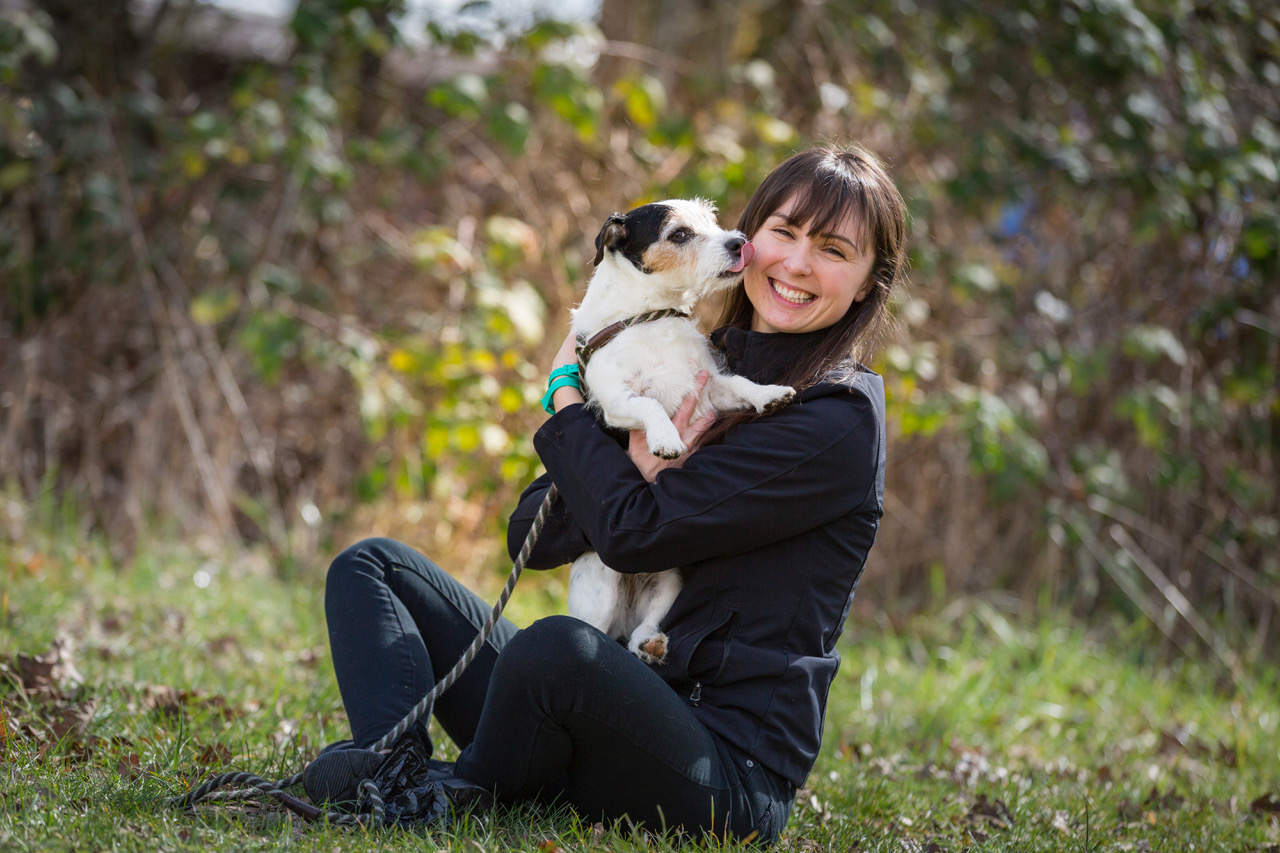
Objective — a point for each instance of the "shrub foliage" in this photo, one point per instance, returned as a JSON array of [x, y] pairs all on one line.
[[278, 288]]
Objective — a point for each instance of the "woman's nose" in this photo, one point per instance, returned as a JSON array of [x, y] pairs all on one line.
[[797, 260]]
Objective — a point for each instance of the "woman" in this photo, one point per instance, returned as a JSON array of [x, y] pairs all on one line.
[[770, 519]]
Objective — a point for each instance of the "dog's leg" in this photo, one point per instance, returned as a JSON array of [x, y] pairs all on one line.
[[593, 593], [729, 392], [625, 409], [647, 640]]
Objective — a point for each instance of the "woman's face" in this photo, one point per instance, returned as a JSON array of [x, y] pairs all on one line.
[[802, 283]]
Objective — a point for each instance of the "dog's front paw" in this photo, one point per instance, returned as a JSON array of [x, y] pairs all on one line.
[[780, 400], [653, 650], [667, 445]]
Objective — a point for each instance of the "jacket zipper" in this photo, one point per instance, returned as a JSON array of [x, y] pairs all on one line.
[[696, 695]]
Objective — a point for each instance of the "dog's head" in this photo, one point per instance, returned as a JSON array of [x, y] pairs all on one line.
[[678, 240]]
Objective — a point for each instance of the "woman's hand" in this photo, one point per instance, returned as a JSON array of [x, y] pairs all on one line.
[[690, 433], [567, 354]]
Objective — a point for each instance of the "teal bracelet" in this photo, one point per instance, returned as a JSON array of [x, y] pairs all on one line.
[[565, 376], [564, 370]]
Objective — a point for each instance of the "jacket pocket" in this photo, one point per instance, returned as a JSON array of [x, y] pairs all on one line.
[[709, 649]]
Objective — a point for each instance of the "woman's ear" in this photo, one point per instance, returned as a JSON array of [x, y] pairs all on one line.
[[865, 291]]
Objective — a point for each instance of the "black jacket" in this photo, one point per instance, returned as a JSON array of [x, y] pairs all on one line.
[[771, 529]]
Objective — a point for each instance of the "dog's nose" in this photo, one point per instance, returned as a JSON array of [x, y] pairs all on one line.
[[734, 244]]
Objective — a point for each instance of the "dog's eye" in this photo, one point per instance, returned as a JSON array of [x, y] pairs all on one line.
[[680, 235]]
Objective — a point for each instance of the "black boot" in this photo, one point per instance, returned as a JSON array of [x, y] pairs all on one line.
[[337, 771]]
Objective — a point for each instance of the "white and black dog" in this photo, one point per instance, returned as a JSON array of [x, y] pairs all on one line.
[[658, 259]]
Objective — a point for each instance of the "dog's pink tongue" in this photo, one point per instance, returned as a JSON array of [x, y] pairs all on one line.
[[748, 252]]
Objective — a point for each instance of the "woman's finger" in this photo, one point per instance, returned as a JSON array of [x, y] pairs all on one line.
[[685, 410]]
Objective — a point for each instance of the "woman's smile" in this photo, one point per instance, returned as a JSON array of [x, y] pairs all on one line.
[[791, 294]]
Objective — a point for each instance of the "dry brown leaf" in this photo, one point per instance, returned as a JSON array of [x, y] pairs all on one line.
[[224, 644], [72, 720], [50, 673], [1266, 804], [214, 755], [991, 812], [1158, 802], [129, 766]]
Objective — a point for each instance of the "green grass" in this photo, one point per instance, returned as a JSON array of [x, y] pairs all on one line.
[[965, 730]]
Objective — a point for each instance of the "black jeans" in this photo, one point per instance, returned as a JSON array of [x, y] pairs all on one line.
[[557, 711]]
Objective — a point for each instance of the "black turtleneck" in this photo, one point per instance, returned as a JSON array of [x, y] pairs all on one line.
[[764, 357]]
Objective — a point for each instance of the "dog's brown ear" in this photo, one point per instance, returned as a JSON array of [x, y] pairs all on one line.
[[614, 229]]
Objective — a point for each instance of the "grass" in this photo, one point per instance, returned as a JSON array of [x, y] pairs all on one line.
[[965, 730]]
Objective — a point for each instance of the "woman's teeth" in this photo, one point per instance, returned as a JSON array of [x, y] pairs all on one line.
[[799, 297]]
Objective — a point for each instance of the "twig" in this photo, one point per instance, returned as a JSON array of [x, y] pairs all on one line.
[[1147, 527], [216, 358], [1167, 588], [494, 165], [1126, 582], [219, 502], [647, 55]]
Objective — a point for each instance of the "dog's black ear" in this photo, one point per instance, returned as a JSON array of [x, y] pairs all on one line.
[[611, 234]]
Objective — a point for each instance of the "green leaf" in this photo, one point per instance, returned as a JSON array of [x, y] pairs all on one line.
[[214, 305]]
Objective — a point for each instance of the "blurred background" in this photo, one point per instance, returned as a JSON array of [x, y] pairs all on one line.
[[280, 275]]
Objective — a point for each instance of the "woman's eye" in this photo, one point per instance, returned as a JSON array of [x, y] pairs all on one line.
[[680, 235], [835, 253], [784, 232]]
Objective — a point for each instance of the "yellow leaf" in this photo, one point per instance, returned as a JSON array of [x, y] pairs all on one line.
[[437, 441], [403, 361], [773, 131], [510, 400], [468, 438]]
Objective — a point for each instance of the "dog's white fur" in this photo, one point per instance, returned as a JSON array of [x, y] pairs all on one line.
[[638, 379]]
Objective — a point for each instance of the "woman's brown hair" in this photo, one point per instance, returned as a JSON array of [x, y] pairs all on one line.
[[831, 184]]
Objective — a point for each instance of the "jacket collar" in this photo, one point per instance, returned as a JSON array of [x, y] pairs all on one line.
[[763, 357], [760, 356]]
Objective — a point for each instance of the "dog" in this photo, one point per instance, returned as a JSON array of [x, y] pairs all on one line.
[[640, 353]]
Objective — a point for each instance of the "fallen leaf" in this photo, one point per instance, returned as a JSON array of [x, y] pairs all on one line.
[[1266, 804], [163, 699], [72, 721], [224, 644], [548, 846], [1129, 811], [992, 812], [1156, 801], [214, 755], [129, 766], [50, 673]]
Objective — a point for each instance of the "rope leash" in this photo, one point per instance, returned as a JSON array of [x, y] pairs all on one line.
[[368, 790]]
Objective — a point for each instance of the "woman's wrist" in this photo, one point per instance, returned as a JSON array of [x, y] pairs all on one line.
[[568, 395], [564, 388]]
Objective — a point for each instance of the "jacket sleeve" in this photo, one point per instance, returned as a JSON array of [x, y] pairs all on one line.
[[561, 539], [771, 479]]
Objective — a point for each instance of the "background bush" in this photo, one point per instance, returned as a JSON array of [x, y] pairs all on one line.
[[293, 292]]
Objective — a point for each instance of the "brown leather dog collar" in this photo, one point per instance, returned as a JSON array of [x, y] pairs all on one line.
[[588, 347]]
